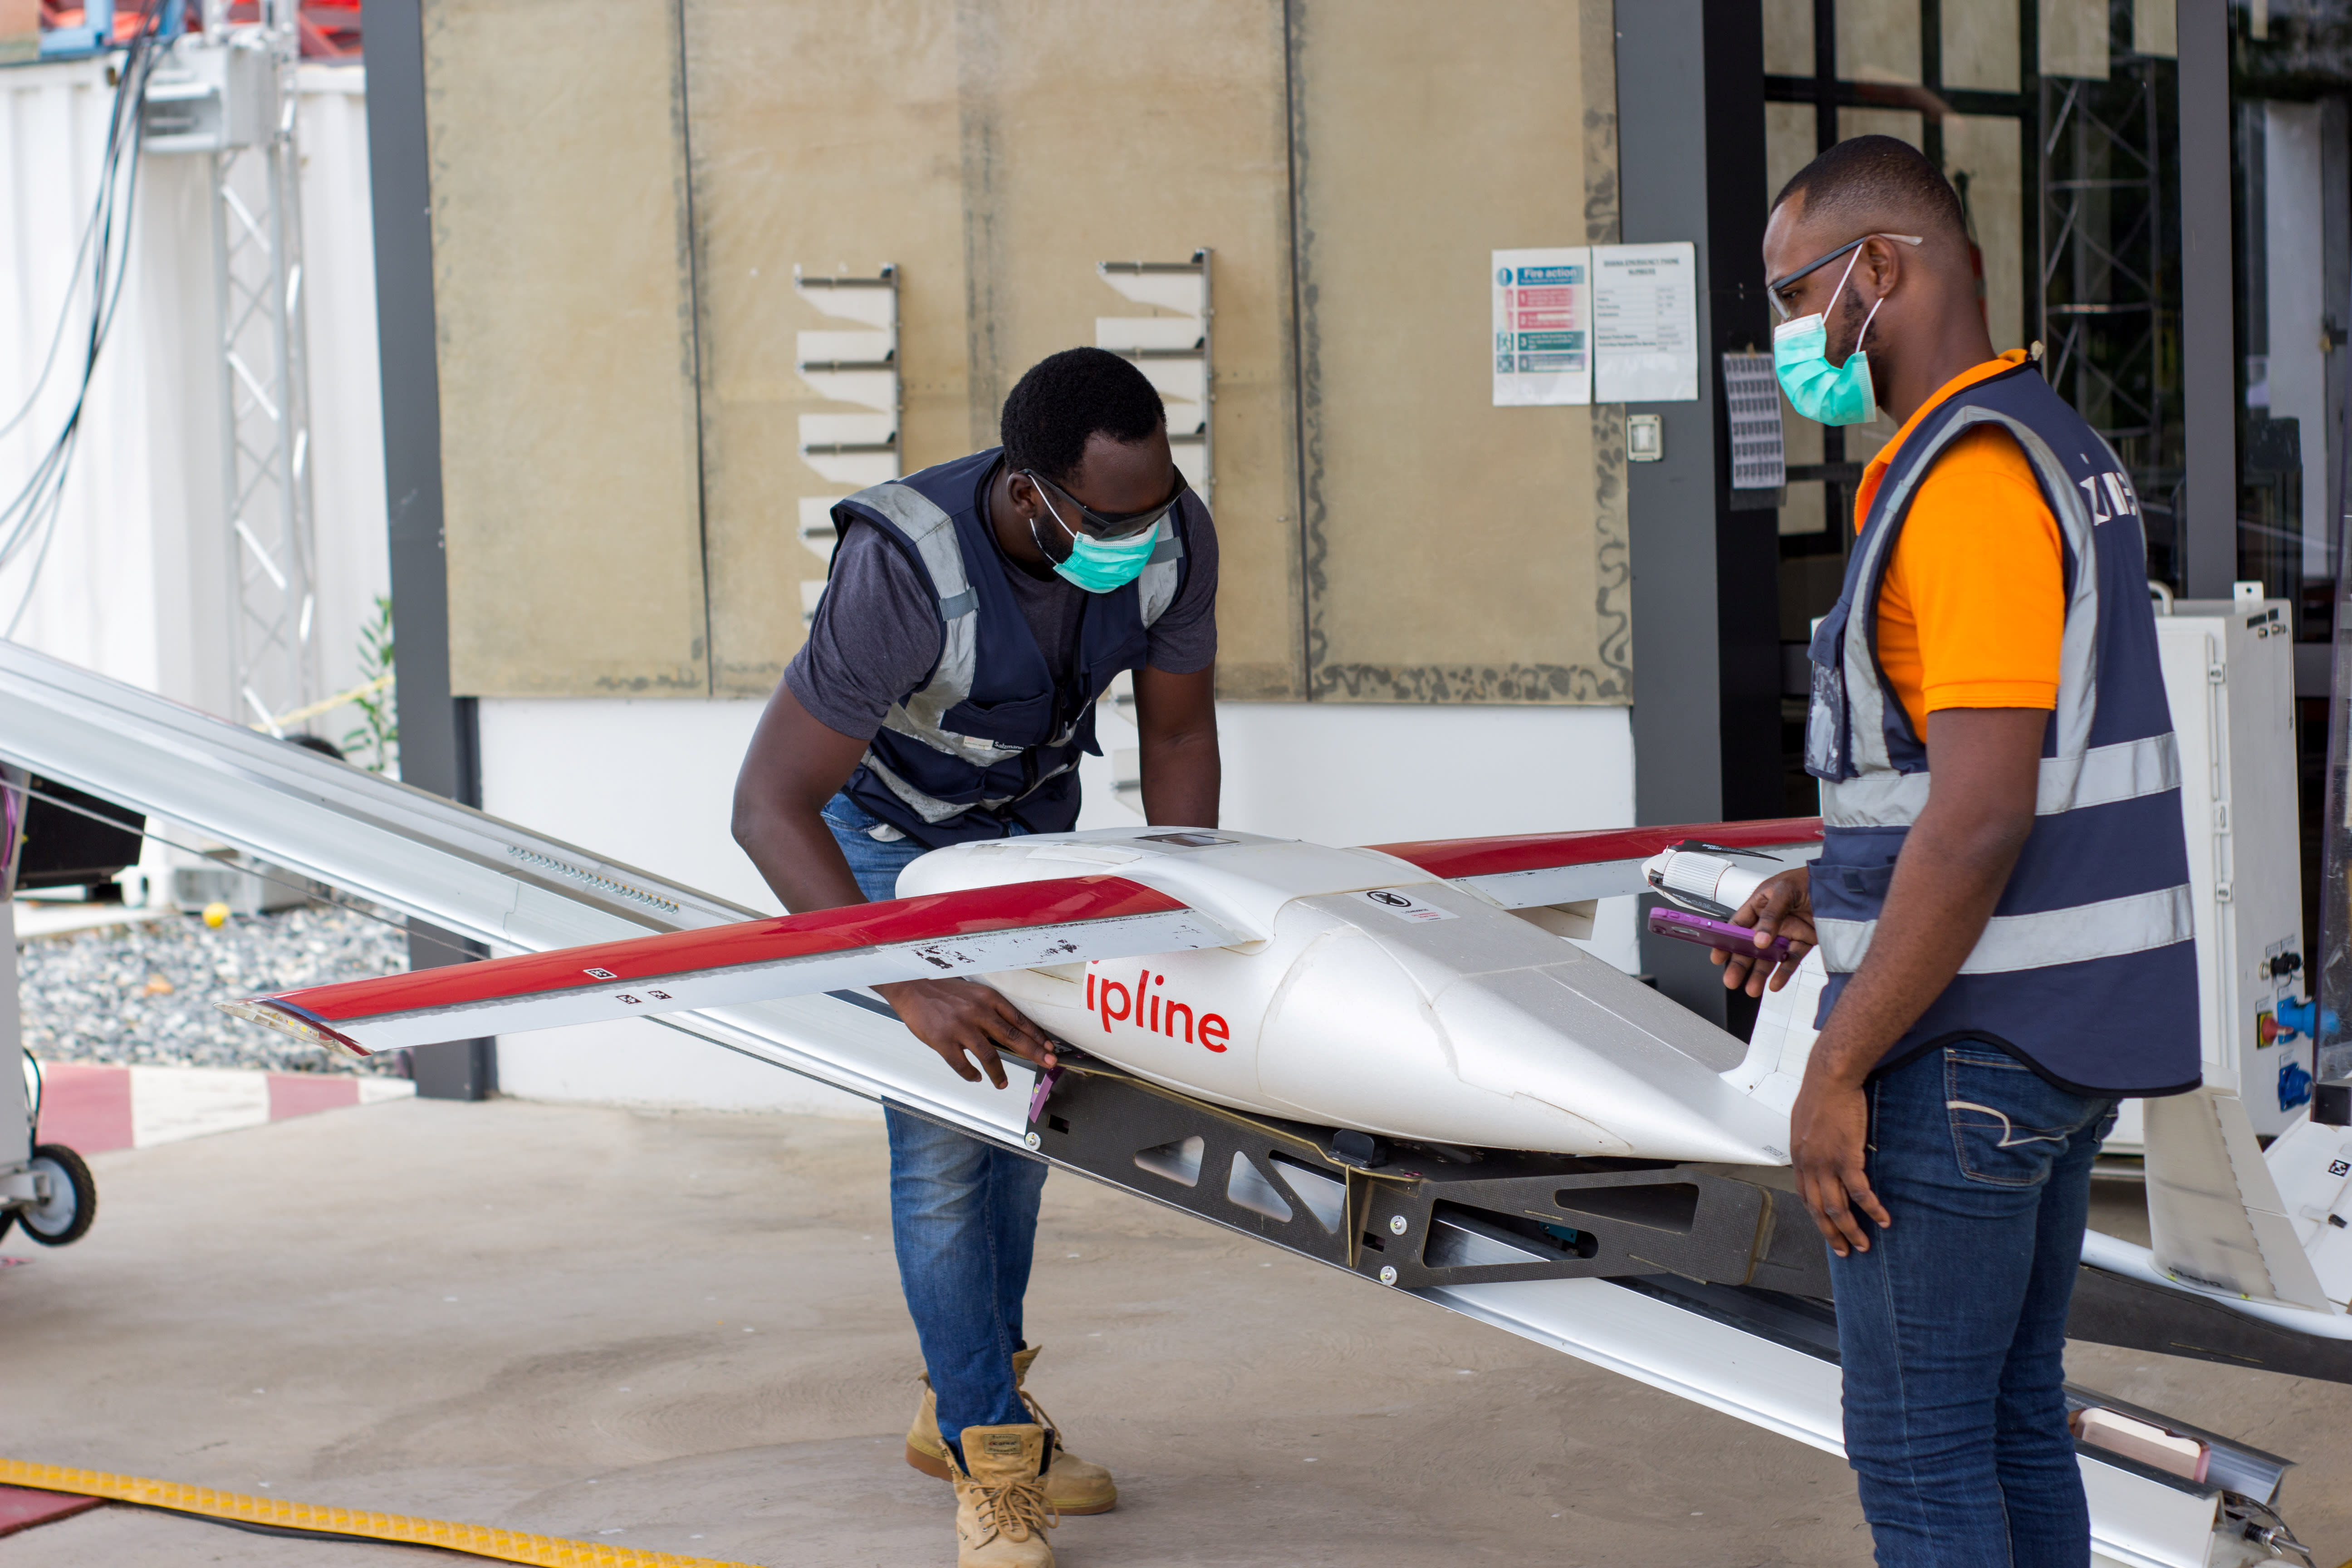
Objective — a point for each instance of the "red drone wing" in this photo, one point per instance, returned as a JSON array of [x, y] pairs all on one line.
[[1527, 870], [976, 930]]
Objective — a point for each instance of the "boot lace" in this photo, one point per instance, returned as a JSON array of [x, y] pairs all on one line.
[[1016, 1508], [1037, 1411]]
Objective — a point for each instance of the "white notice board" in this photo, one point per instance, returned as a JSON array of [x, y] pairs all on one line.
[[1543, 326], [1644, 323]]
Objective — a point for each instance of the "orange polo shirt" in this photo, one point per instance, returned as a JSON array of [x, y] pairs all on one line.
[[1973, 606]]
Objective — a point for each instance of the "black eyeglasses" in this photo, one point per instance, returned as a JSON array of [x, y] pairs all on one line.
[[1112, 525], [1772, 289]]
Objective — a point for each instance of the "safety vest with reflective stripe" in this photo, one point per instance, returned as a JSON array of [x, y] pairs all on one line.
[[989, 744], [2087, 969]]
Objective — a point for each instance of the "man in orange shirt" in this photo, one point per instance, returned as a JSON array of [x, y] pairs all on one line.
[[2011, 954]]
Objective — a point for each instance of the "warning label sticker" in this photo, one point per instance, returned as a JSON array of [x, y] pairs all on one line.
[[1405, 906]]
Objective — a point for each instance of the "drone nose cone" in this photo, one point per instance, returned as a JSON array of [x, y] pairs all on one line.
[[1596, 1043]]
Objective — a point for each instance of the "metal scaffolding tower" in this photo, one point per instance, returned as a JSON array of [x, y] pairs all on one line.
[[265, 387], [2112, 332], [229, 94]]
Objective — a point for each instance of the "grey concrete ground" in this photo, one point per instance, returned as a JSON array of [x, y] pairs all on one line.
[[683, 1332]]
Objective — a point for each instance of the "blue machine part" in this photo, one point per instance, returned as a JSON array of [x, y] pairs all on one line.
[[2298, 1017], [2294, 1085], [95, 34]]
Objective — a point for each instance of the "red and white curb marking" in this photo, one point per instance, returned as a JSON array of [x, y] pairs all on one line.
[[91, 1108]]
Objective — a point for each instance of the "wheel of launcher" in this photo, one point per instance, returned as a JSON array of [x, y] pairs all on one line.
[[72, 1202]]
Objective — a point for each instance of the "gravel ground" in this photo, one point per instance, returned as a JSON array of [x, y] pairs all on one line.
[[145, 994]]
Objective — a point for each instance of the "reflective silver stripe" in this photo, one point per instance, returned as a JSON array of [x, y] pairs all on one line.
[[932, 533], [2078, 684], [2011, 943], [2078, 657], [932, 809], [929, 808], [2103, 776], [1865, 698], [1884, 799], [2127, 770], [1156, 588], [921, 717], [1843, 942]]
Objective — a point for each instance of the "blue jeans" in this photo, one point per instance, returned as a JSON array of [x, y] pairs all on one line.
[[963, 1212], [1952, 1326]]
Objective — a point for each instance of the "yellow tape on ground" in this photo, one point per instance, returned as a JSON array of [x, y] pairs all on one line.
[[502, 1545]]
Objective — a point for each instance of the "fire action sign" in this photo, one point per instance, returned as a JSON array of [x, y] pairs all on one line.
[[1613, 323], [1543, 326]]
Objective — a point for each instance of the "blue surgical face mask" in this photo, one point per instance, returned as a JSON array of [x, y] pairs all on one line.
[[1097, 566], [1832, 394]]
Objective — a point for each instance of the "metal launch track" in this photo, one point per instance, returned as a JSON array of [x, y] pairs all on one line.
[[1679, 1323]]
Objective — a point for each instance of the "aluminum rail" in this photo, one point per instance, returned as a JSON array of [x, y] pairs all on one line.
[[478, 877]]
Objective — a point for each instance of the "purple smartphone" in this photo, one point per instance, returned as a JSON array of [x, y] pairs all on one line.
[[1720, 934]]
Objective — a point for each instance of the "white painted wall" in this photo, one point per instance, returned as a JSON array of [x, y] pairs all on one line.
[[135, 580], [647, 783], [111, 588], [651, 783]]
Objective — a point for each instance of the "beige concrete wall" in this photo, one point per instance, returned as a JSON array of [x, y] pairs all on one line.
[[959, 143], [616, 230], [562, 289], [1139, 131], [1456, 551], [824, 137]]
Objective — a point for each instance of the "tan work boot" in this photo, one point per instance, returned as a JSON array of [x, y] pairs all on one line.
[[1002, 1514], [1071, 1485]]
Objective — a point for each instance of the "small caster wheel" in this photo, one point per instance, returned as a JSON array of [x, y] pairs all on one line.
[[72, 1202]]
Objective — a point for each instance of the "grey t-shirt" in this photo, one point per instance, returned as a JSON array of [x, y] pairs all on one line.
[[877, 638]]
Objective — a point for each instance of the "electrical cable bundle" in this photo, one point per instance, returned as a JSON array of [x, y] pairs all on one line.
[[28, 518]]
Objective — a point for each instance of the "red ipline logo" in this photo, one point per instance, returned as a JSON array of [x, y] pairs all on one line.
[[1114, 1001]]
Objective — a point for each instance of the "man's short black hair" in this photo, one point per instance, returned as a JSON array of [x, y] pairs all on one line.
[[1880, 183], [1067, 397]]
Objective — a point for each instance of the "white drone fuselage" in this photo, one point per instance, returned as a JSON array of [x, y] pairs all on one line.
[[1374, 996]]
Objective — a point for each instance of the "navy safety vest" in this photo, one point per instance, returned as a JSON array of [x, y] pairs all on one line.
[[989, 744], [2086, 970]]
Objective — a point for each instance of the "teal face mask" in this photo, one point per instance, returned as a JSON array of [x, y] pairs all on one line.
[[1831, 394], [1097, 566]]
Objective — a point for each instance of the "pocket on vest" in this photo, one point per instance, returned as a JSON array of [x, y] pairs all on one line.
[[1023, 723], [1849, 892]]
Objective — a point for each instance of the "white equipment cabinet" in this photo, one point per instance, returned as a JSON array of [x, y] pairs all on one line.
[[2229, 672]]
